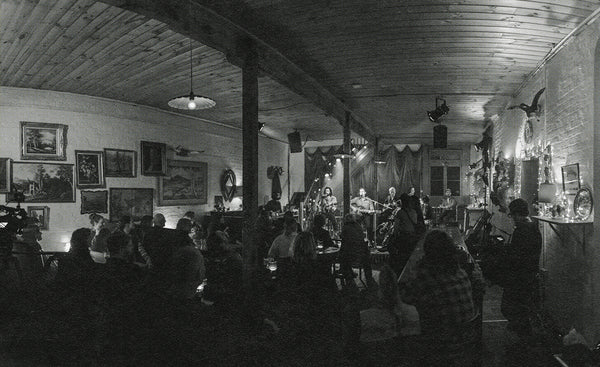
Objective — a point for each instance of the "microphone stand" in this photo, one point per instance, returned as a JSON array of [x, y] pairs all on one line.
[[303, 204]]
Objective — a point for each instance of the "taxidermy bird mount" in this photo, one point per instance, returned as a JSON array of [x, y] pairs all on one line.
[[534, 108], [182, 152]]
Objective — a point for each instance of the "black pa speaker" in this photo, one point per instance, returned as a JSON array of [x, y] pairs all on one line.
[[440, 136], [295, 142]]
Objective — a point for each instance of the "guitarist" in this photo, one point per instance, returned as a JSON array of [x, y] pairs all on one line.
[[329, 206], [364, 206]]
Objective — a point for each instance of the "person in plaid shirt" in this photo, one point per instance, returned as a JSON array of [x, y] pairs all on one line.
[[441, 291]]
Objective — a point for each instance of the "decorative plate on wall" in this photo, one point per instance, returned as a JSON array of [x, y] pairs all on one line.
[[583, 204], [228, 184]]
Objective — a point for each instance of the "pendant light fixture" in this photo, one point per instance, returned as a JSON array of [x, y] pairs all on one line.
[[191, 101]]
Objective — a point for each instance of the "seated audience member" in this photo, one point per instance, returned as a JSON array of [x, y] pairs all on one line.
[[119, 277], [371, 333], [282, 246], [138, 234], [305, 270], [184, 225], [354, 249], [29, 248], [100, 233], [321, 234], [223, 272], [441, 291], [159, 220], [76, 270], [264, 232], [187, 271], [160, 243]]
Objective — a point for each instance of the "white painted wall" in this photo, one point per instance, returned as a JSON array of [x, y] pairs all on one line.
[[97, 123]]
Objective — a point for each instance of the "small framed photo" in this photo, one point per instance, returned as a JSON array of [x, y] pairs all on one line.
[[43, 142], [41, 213], [570, 178], [90, 169], [120, 163], [94, 201], [4, 175]]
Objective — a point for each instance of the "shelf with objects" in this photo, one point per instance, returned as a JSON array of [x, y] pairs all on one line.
[[579, 217]]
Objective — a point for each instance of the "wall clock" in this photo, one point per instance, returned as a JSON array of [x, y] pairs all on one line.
[[228, 185]]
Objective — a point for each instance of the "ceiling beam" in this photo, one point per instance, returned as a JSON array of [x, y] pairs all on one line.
[[220, 25]]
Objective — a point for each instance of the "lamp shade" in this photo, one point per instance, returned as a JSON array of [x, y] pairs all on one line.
[[190, 100], [546, 193]]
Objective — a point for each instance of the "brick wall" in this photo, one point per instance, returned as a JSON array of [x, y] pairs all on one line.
[[567, 124], [96, 123]]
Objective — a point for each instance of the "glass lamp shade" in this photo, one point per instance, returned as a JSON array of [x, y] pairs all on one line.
[[192, 102]]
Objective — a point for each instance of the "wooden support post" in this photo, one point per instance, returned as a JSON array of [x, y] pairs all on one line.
[[376, 180], [346, 161], [250, 157]]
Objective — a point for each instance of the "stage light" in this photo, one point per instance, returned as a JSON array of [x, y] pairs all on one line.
[[439, 111]]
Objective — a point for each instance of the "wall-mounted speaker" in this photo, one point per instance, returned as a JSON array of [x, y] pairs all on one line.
[[440, 136], [295, 142]]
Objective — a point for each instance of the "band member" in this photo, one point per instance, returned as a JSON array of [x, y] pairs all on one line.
[[391, 201], [329, 206], [274, 206], [363, 205], [449, 206]]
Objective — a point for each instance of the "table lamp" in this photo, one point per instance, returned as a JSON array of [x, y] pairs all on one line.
[[546, 195]]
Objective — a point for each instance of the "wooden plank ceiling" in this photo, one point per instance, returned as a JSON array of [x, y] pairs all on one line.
[[386, 61]]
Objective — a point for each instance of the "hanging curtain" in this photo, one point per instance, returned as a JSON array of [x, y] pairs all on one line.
[[316, 165]]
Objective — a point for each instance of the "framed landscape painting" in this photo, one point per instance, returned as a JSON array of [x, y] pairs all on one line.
[[43, 142], [4, 175], [43, 182], [120, 163], [94, 201], [184, 184], [133, 202], [154, 158], [41, 213], [90, 169]]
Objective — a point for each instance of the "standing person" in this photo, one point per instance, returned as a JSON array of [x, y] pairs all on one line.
[[426, 208], [415, 204], [449, 206], [522, 261], [364, 206], [404, 237], [329, 207], [354, 249], [100, 233]]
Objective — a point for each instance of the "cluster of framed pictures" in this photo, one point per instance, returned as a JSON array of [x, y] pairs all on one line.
[[179, 182]]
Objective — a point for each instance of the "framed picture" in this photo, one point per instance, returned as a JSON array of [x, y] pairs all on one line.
[[4, 175], [41, 213], [43, 142], [42, 182], [94, 201], [184, 184], [120, 163], [154, 158], [90, 169], [570, 178], [133, 202]]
